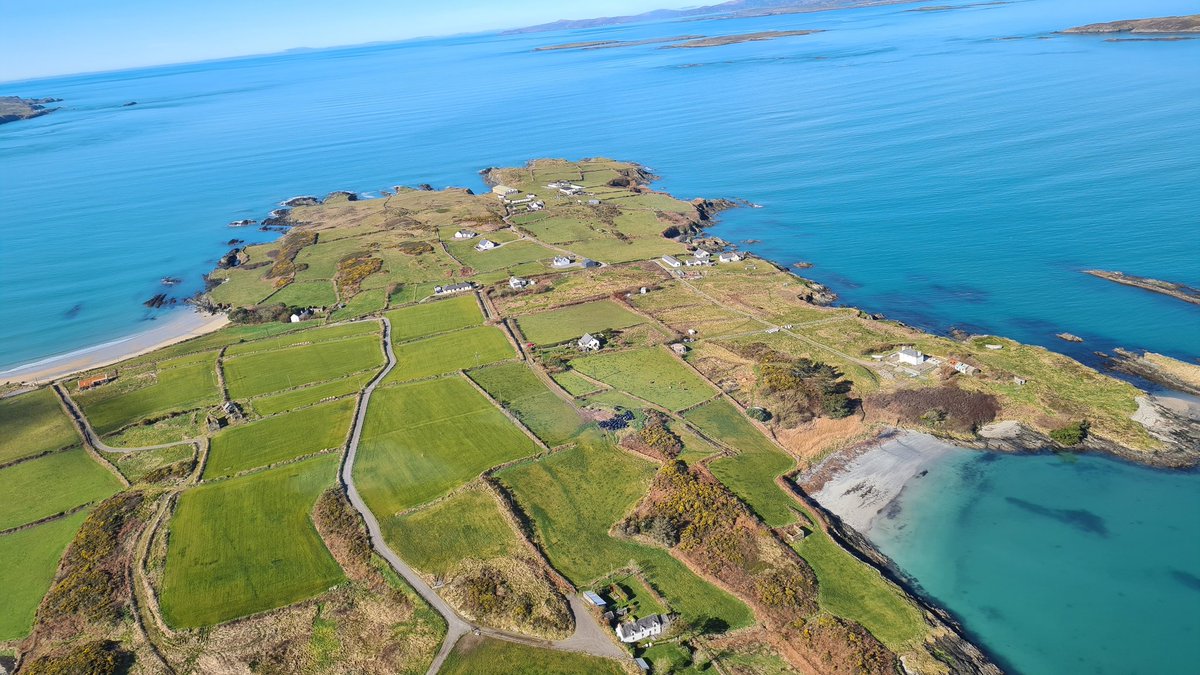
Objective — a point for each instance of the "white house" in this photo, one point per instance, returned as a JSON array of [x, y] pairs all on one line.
[[702, 254], [732, 256], [453, 288], [561, 261], [503, 190], [537, 205], [517, 283], [911, 356], [696, 262], [636, 631], [589, 343], [964, 368], [671, 261], [465, 234], [485, 245]]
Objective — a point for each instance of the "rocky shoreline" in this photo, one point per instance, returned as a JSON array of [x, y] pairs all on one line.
[[1167, 24]]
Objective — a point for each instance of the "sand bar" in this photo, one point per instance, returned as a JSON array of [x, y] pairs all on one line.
[[859, 484], [176, 327]]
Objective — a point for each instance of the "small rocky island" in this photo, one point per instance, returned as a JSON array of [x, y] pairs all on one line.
[[1166, 24], [13, 108], [723, 40], [1175, 290]]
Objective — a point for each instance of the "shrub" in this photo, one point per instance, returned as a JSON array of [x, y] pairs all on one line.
[[1071, 435], [946, 407], [657, 435], [99, 657], [760, 414]]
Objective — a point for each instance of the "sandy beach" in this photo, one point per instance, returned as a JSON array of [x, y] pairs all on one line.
[[859, 484], [169, 330]]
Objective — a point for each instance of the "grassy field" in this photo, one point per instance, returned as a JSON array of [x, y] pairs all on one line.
[[852, 590], [279, 438], [509, 255], [135, 465], [305, 294], [476, 655], [575, 496], [52, 484], [449, 352], [33, 423], [565, 323], [751, 474], [303, 337], [575, 384], [305, 396], [467, 525], [263, 372], [171, 388], [365, 302], [423, 440], [247, 545], [649, 373], [517, 388], [438, 316], [28, 560]]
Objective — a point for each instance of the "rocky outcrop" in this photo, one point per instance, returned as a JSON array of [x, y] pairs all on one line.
[[1069, 337], [1175, 290], [817, 294], [234, 258], [243, 223], [13, 108], [1167, 24], [1156, 368], [303, 200]]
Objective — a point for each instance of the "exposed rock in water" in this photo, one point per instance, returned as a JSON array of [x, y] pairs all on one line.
[[304, 200], [1167, 24], [235, 242], [1170, 373], [1175, 290], [171, 281], [802, 265], [243, 223], [126, 105], [234, 258], [1069, 337], [160, 300]]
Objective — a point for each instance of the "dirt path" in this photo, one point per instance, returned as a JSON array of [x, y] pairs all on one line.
[[89, 434], [589, 636]]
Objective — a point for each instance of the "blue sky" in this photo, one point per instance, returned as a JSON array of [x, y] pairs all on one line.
[[53, 37]]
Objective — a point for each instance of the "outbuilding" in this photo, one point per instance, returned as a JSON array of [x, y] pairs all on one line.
[[595, 599], [671, 261]]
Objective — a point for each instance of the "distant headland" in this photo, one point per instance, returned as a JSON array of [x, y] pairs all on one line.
[[1167, 24], [13, 108]]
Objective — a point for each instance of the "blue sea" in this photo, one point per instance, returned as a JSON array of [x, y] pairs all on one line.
[[947, 168]]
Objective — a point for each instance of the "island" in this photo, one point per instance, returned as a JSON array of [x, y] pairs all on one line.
[[723, 40], [1169, 288], [611, 44], [558, 422], [1167, 24], [13, 108]]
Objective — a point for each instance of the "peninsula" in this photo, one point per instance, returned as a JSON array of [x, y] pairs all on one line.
[[559, 422], [1167, 24], [13, 108]]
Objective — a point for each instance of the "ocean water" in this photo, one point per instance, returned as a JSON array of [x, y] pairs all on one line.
[[1058, 564], [928, 166]]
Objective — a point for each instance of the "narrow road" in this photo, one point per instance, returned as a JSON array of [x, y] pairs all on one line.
[[589, 636]]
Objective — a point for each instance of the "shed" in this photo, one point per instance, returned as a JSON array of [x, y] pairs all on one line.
[[671, 261], [594, 599]]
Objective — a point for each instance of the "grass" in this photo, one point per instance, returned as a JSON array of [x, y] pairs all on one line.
[[305, 294], [467, 525], [750, 474], [173, 429], [263, 372], [509, 255], [449, 352], [575, 384], [438, 316], [52, 484], [279, 438], [365, 302], [575, 496], [304, 396], [303, 337], [28, 560], [649, 373], [477, 655], [247, 545], [565, 323], [852, 590], [154, 393], [422, 440], [135, 465], [518, 389], [33, 423]]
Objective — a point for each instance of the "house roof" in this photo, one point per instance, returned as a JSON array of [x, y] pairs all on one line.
[[587, 337], [909, 351]]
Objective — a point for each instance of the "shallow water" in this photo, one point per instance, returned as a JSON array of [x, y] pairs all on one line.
[[1058, 564]]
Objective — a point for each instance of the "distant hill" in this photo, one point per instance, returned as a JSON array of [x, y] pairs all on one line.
[[724, 10], [1166, 24]]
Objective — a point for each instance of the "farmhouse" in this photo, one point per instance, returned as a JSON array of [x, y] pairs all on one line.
[[561, 261], [453, 288], [671, 261], [594, 599], [485, 245], [731, 256], [589, 343], [301, 316], [465, 234], [536, 205], [517, 283], [635, 631], [95, 381], [503, 190], [696, 262], [911, 356], [702, 254]]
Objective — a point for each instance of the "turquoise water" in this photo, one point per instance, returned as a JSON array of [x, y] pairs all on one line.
[[1059, 564], [929, 170]]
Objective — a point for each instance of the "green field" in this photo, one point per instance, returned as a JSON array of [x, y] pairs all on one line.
[[279, 438], [574, 383], [303, 337], [467, 525], [574, 497], [565, 323], [449, 352], [649, 373], [423, 440], [474, 655], [171, 388], [28, 560], [852, 590], [438, 316], [33, 423], [518, 389], [135, 465], [506, 256], [263, 372], [304, 396], [365, 302], [52, 484], [247, 545], [751, 474], [305, 294]]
